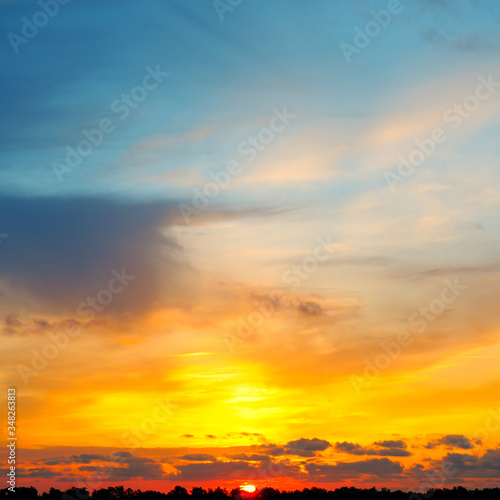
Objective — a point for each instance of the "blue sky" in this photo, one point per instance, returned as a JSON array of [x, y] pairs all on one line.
[[225, 75]]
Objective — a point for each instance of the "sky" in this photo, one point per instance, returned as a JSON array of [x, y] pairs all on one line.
[[251, 242]]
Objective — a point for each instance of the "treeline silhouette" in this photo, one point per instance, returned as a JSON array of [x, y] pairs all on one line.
[[180, 493]]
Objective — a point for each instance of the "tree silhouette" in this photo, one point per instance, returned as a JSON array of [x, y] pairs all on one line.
[[197, 493]]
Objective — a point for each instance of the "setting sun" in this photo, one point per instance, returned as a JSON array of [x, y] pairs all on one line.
[[249, 488]]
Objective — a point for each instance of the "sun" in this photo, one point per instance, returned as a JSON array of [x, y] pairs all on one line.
[[249, 488]]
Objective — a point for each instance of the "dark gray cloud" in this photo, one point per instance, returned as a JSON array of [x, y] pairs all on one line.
[[13, 320], [233, 470], [310, 307], [453, 5], [393, 452], [306, 447], [452, 39], [460, 466], [131, 467], [40, 472], [391, 444], [250, 458], [36, 326], [489, 462], [307, 304], [472, 42], [198, 457], [377, 467], [351, 448], [300, 447], [217, 470], [380, 448], [275, 450], [84, 458], [314, 444], [63, 250], [118, 466], [452, 441]]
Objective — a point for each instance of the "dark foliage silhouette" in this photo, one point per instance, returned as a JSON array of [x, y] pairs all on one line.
[[180, 493]]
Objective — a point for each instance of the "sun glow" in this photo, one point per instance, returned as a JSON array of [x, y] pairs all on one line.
[[249, 488]]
